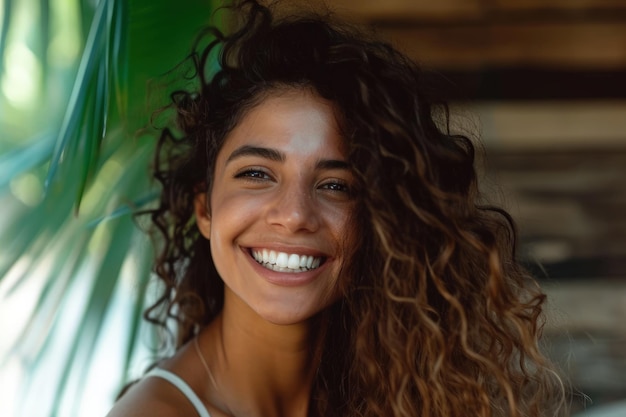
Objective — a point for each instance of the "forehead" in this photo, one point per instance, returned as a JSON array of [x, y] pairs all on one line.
[[299, 121]]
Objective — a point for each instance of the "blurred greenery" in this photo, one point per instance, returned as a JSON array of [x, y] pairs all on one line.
[[79, 80]]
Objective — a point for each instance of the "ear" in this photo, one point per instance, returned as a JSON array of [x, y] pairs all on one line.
[[203, 217]]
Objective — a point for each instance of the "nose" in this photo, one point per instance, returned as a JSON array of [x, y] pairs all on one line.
[[294, 210]]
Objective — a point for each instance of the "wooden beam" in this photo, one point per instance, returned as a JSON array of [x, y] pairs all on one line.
[[540, 125], [560, 5], [597, 45], [376, 10]]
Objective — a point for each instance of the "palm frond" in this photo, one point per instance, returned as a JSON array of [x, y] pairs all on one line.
[[7, 14], [88, 70], [74, 253]]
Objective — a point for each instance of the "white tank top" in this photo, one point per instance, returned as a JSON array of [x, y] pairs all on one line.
[[179, 383]]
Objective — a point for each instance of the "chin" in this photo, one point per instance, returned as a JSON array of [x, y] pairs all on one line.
[[291, 315]]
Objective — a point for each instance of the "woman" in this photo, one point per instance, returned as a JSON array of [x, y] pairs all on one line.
[[323, 250]]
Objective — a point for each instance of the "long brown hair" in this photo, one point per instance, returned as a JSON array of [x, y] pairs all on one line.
[[438, 317]]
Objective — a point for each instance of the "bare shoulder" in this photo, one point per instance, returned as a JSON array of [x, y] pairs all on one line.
[[152, 397]]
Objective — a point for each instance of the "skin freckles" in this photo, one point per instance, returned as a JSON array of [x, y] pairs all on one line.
[[281, 184]]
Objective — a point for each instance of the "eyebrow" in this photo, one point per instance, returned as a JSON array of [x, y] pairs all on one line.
[[328, 164], [267, 153], [276, 155]]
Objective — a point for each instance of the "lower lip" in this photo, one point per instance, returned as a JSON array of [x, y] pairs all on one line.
[[285, 279]]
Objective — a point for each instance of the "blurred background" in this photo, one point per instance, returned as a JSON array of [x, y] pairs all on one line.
[[541, 83]]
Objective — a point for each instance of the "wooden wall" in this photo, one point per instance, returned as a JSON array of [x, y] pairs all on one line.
[[543, 83]]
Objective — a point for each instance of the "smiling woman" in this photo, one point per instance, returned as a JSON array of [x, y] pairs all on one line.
[[323, 249]]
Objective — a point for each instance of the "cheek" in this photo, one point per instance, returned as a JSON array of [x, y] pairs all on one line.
[[231, 215]]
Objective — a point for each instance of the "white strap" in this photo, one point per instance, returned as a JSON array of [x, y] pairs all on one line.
[[179, 383]]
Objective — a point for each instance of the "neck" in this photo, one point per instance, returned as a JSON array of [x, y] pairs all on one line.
[[260, 368]]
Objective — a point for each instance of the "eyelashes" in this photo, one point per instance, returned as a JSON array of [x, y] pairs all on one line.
[[255, 174], [336, 185]]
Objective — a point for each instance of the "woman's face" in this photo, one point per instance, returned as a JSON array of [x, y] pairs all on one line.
[[281, 212]]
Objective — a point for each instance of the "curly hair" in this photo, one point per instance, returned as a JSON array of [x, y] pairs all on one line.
[[437, 319]]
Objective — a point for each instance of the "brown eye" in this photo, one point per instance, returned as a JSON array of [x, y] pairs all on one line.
[[253, 174], [337, 186]]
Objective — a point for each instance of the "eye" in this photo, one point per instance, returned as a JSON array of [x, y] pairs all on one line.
[[253, 174], [336, 186]]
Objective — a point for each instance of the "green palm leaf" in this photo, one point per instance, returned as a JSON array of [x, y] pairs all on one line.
[[69, 182], [7, 13]]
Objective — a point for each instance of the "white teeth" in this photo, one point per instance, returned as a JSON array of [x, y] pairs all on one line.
[[293, 262], [282, 259], [284, 262]]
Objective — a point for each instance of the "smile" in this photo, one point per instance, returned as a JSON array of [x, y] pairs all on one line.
[[285, 262]]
